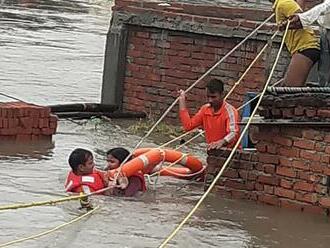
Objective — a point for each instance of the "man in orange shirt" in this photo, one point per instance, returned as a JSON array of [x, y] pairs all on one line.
[[218, 118]]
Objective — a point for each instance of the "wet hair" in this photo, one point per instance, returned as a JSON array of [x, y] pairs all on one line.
[[119, 153], [215, 86], [77, 157]]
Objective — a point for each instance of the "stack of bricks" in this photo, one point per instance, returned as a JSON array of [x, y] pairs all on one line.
[[291, 164], [23, 122]]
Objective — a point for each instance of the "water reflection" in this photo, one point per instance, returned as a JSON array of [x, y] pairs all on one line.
[[20, 151]]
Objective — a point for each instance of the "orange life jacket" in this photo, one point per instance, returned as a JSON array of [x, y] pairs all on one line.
[[87, 183]]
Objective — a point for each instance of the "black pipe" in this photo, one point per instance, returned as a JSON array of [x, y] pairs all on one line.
[[114, 115], [83, 107]]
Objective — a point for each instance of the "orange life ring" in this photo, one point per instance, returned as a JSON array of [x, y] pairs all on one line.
[[180, 172], [189, 161], [144, 162]]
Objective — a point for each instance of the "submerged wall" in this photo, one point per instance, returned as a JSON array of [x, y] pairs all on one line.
[[291, 164], [23, 122]]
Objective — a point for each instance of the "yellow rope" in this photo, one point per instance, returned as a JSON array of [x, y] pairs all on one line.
[[51, 230], [233, 150], [50, 202], [250, 66]]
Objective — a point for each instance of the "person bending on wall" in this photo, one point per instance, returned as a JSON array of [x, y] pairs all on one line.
[[302, 44], [218, 118]]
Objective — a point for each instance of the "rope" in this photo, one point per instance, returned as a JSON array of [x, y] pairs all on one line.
[[51, 202], [182, 157], [51, 230], [250, 66], [251, 100], [234, 148], [177, 138], [293, 90], [11, 97], [189, 88]]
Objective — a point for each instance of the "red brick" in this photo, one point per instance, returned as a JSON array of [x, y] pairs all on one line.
[[320, 147], [26, 122], [270, 180], [306, 197], [269, 168], [286, 171], [284, 192], [327, 149], [305, 144], [325, 159], [304, 186], [327, 138], [289, 152], [325, 202], [261, 147], [269, 199], [259, 187], [300, 164], [47, 131], [286, 184], [316, 167], [324, 113], [231, 173], [268, 159], [326, 171], [8, 131], [287, 162], [269, 189], [310, 155]]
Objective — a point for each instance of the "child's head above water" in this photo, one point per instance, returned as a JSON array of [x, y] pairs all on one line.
[[81, 161], [115, 157]]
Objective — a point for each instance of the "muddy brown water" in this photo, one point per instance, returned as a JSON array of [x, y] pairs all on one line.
[[52, 52]]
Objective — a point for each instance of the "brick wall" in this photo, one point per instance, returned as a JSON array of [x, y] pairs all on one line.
[[26, 122], [160, 61], [291, 165]]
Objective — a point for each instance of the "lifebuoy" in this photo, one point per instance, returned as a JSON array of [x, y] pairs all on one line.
[[144, 162], [146, 159], [193, 166], [189, 161]]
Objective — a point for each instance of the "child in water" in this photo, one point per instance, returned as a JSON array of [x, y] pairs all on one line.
[[85, 178], [135, 183]]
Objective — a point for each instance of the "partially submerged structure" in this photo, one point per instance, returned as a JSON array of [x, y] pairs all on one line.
[[155, 48]]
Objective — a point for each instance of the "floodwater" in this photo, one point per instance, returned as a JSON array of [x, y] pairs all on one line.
[[52, 52]]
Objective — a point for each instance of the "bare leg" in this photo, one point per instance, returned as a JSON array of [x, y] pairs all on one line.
[[298, 70]]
